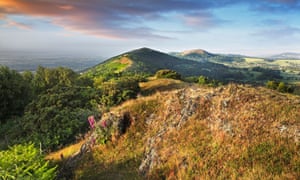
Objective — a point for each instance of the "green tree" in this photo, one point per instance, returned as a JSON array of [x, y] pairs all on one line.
[[57, 117], [203, 80], [25, 162], [118, 90], [167, 73], [272, 85], [46, 78], [282, 87], [14, 93]]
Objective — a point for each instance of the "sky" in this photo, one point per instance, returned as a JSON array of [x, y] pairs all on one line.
[[109, 27]]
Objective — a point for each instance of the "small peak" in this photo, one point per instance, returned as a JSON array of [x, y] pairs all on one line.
[[194, 51]]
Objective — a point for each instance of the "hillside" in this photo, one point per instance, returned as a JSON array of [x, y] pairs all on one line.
[[284, 67], [186, 131], [204, 56], [225, 68], [148, 61], [287, 55]]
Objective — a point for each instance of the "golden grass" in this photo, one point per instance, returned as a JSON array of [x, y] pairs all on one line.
[[202, 148], [65, 152], [158, 85]]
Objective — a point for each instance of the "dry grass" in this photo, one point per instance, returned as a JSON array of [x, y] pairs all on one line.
[[65, 152], [235, 132], [159, 85]]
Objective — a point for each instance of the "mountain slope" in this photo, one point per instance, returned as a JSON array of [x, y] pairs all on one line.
[[194, 132], [148, 61], [204, 56]]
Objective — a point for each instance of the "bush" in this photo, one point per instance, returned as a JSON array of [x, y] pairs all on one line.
[[24, 162], [14, 93], [116, 91], [57, 117], [280, 86], [167, 73]]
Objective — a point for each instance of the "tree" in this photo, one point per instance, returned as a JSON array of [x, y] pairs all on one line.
[[118, 90], [167, 73], [46, 78], [203, 80], [282, 87], [272, 85], [14, 93], [25, 162], [56, 118]]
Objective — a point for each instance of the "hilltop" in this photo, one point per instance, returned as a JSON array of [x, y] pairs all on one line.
[[189, 63], [186, 131]]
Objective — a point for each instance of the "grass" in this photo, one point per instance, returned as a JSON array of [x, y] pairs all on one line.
[[159, 85], [65, 152], [254, 60], [234, 133]]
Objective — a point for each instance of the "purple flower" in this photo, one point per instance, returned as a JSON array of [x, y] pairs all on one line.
[[91, 120]]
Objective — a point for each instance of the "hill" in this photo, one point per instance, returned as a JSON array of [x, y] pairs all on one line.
[[192, 63], [204, 56], [184, 131], [285, 56]]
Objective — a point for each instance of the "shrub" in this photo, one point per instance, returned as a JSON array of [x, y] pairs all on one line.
[[167, 73], [24, 162], [14, 93], [57, 117]]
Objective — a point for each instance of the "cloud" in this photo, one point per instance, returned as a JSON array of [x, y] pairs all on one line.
[[201, 20], [275, 6], [66, 7], [279, 33], [127, 18], [18, 25], [110, 19], [2, 16], [12, 23]]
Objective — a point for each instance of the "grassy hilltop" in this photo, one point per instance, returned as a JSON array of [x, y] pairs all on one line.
[[184, 131]]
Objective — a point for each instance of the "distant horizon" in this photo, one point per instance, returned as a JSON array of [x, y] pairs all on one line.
[[79, 54]]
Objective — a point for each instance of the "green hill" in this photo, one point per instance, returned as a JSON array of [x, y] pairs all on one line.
[[204, 56], [148, 61]]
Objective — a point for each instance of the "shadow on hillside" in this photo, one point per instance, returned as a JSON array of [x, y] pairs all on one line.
[[125, 169]]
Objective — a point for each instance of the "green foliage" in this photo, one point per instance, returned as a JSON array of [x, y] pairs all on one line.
[[14, 93], [280, 86], [272, 85], [267, 73], [24, 162], [57, 117], [202, 80], [118, 90], [46, 78], [106, 70], [167, 73]]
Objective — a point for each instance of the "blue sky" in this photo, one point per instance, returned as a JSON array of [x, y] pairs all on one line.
[[109, 27]]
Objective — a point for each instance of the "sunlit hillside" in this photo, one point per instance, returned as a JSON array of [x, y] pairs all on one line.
[[187, 131]]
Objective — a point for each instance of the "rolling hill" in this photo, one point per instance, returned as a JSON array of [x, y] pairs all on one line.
[[288, 55], [191, 63]]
